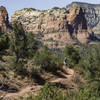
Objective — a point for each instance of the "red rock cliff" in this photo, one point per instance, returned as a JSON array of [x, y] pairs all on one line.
[[4, 23], [56, 27]]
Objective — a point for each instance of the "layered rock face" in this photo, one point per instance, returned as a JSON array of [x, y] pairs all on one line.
[[46, 25], [4, 23], [56, 27], [92, 14], [77, 25]]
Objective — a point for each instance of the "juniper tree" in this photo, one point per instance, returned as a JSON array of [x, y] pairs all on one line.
[[18, 41]]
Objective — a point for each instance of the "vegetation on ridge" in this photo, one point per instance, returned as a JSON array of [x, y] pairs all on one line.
[[23, 48]]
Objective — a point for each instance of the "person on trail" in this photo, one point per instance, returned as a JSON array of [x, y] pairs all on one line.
[[66, 61]]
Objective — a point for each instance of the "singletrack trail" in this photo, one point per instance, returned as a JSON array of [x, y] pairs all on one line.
[[68, 75]]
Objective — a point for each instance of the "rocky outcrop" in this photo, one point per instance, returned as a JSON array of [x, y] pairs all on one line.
[[4, 23], [45, 25], [56, 27], [77, 25], [92, 14]]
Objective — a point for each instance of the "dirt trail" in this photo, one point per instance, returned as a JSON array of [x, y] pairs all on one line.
[[68, 75], [22, 92]]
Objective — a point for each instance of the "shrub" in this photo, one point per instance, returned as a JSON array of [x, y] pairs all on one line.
[[22, 44], [18, 41], [55, 8], [89, 63], [47, 60], [17, 67], [89, 67], [32, 69], [4, 41], [31, 45], [87, 93], [72, 55], [49, 92], [4, 44]]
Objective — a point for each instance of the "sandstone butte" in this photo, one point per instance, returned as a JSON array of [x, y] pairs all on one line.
[[4, 22], [54, 28]]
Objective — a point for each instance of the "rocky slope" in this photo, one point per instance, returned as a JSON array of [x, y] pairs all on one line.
[[55, 27], [4, 22], [92, 14]]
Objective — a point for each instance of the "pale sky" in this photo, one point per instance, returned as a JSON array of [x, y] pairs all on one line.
[[13, 5]]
